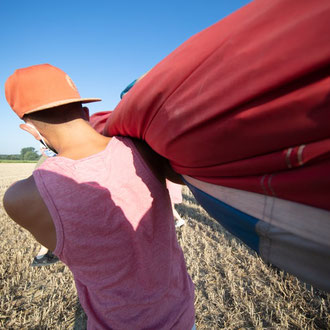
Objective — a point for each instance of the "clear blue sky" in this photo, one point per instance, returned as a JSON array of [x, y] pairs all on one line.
[[102, 45]]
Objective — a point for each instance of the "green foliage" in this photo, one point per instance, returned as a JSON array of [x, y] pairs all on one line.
[[30, 155], [10, 157], [27, 154], [17, 161]]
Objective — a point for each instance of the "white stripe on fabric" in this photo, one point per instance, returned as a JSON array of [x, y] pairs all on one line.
[[305, 221], [287, 158], [299, 155], [301, 257]]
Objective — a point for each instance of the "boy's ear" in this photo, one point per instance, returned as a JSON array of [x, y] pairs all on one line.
[[30, 130], [86, 113]]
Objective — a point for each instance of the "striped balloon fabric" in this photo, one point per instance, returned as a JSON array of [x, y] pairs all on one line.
[[242, 111]]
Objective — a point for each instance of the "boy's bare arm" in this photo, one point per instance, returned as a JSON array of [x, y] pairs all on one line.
[[25, 206]]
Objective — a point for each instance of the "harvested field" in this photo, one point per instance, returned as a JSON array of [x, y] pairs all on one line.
[[234, 288]]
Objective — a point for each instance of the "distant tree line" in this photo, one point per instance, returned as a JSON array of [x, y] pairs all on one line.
[[28, 153]]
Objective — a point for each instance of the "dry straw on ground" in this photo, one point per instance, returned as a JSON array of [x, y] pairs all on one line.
[[234, 288]]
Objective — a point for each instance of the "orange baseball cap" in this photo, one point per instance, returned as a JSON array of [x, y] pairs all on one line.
[[40, 87]]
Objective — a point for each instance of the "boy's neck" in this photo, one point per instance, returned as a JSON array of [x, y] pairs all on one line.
[[77, 140]]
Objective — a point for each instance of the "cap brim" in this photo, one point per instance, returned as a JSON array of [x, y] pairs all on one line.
[[63, 102]]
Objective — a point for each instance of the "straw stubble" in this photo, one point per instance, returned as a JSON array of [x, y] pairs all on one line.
[[234, 289]]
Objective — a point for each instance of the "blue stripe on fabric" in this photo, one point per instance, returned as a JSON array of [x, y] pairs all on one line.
[[126, 90], [236, 222]]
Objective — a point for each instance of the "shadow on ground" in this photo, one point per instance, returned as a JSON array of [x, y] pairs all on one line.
[[80, 322]]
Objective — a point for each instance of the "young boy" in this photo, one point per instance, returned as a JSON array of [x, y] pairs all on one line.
[[102, 207]]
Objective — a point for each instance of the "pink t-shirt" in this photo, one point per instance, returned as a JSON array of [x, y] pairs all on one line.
[[175, 191], [115, 231]]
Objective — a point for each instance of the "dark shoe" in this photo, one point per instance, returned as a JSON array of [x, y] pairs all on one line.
[[47, 259]]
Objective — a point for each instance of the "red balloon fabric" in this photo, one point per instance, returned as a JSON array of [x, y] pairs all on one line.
[[243, 104]]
